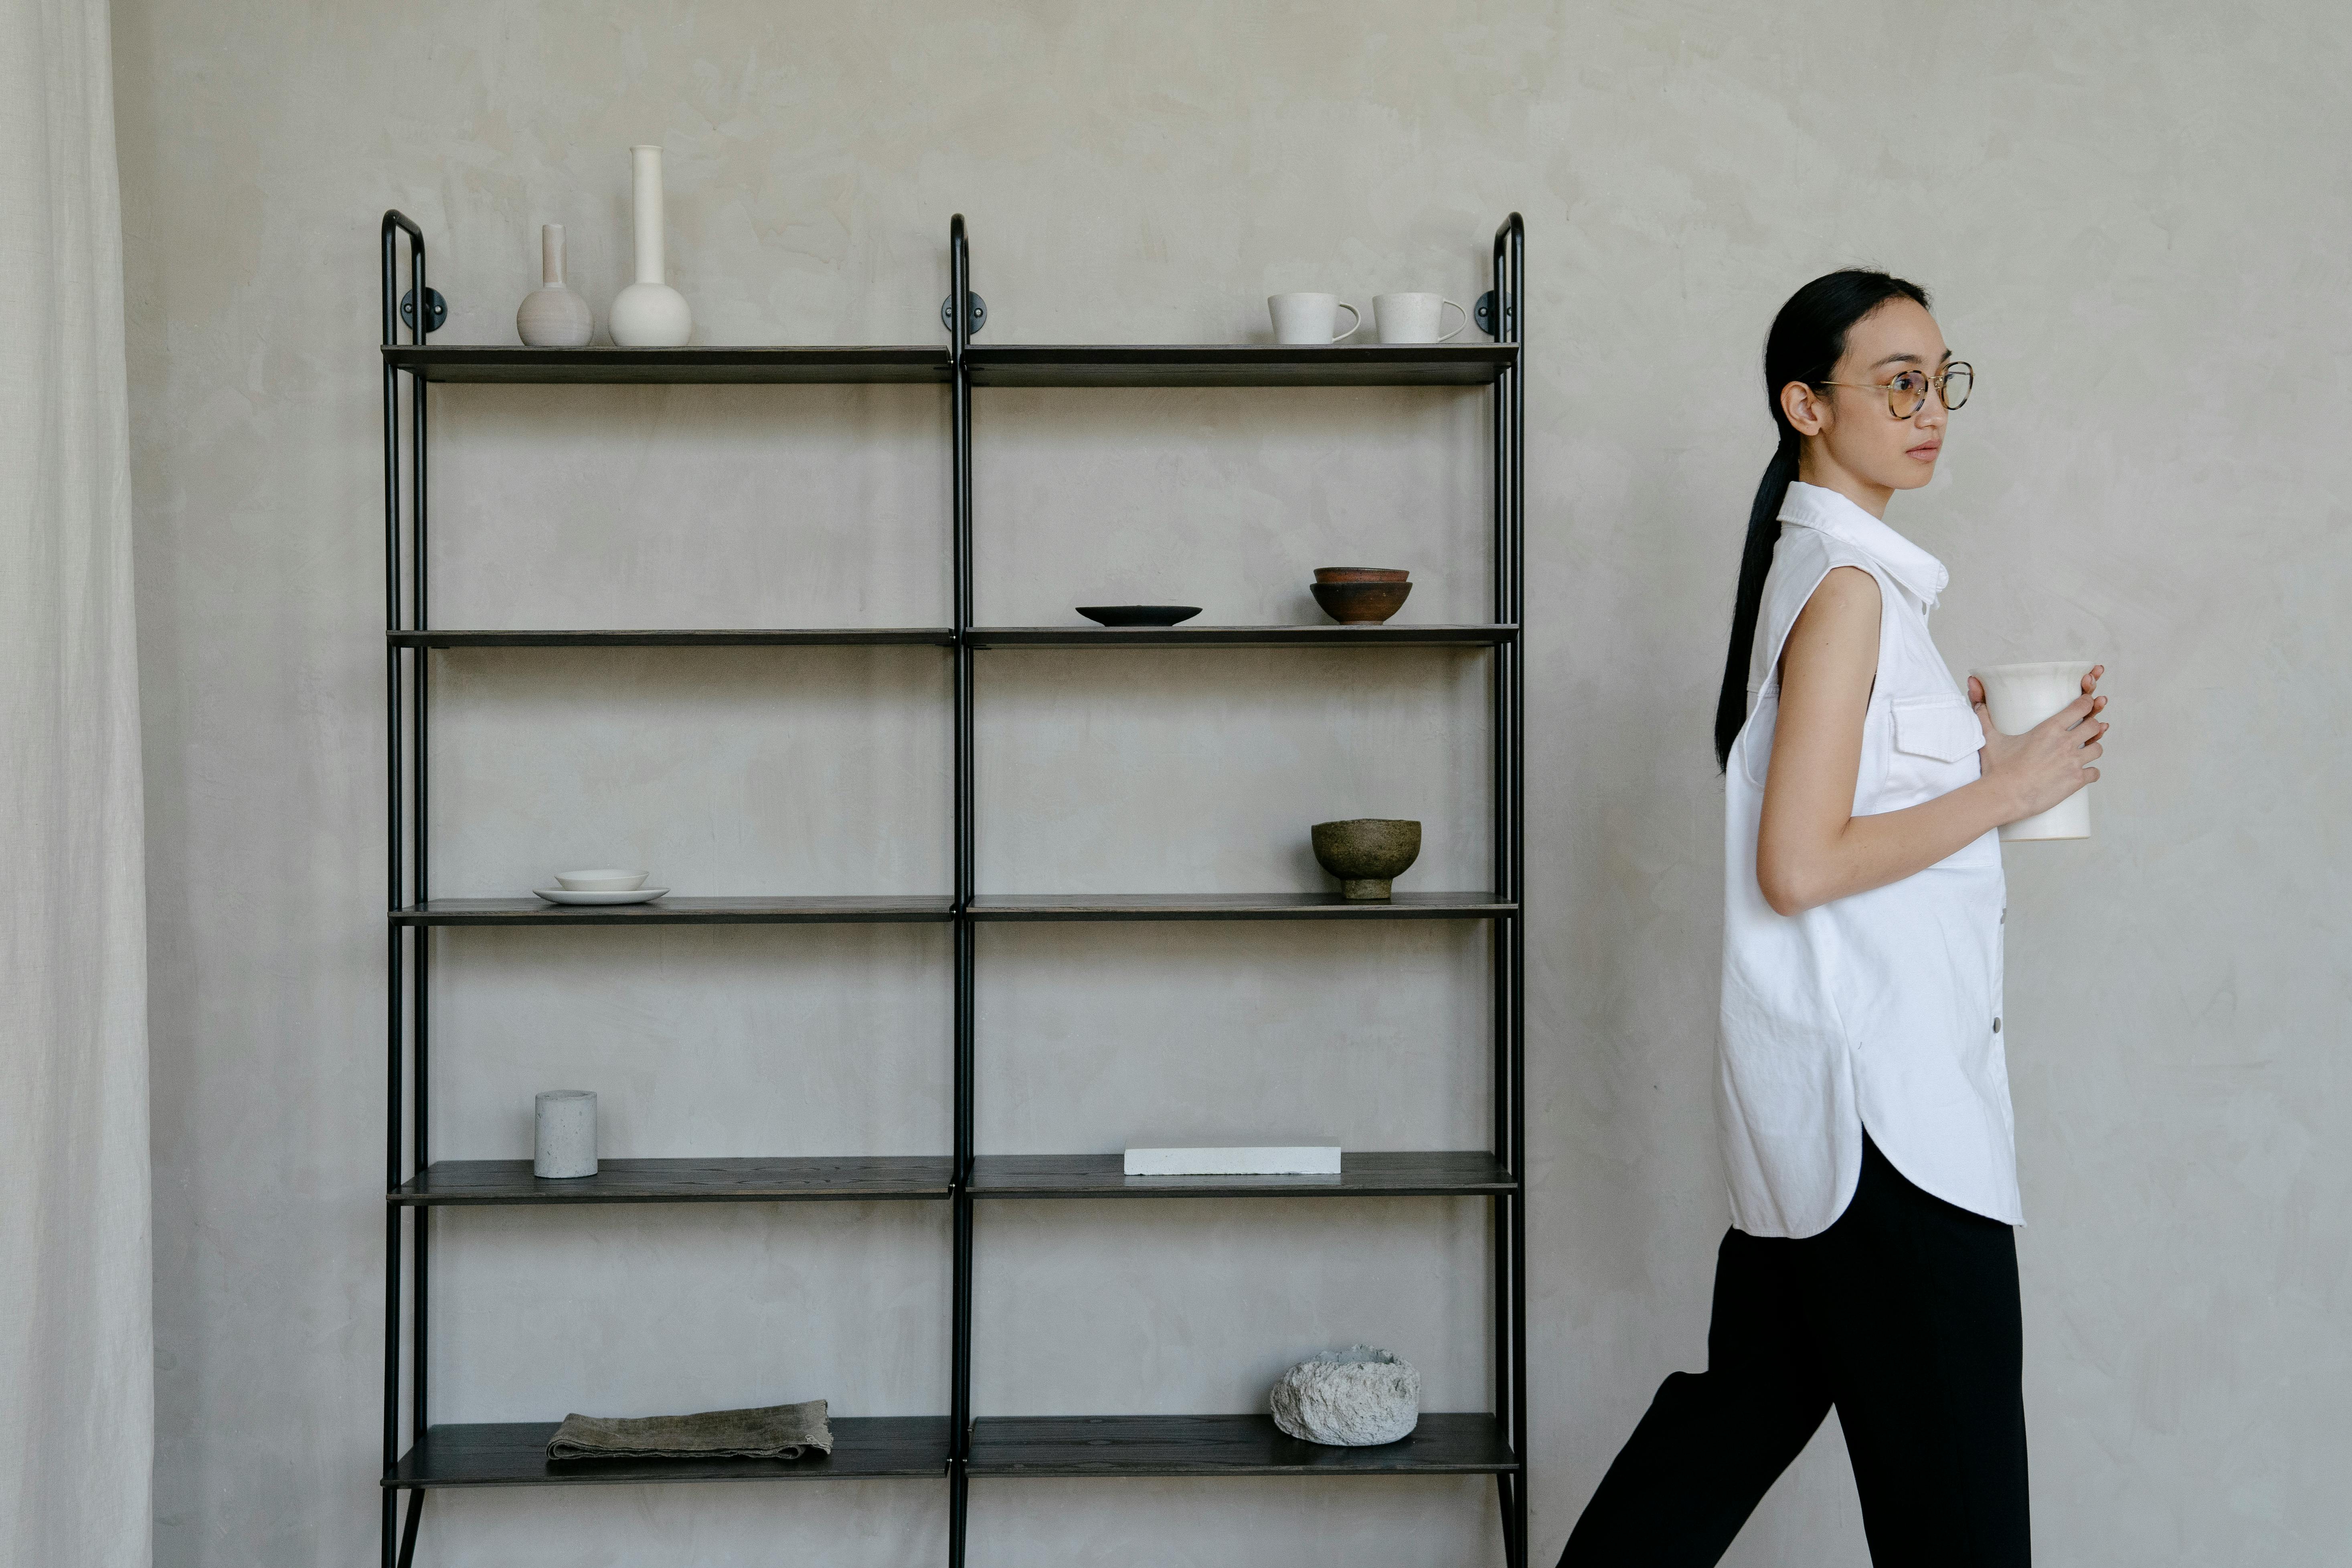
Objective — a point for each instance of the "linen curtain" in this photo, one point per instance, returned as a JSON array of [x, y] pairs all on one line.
[[77, 1372]]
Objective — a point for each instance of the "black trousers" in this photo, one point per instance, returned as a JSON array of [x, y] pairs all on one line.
[[1904, 1315]]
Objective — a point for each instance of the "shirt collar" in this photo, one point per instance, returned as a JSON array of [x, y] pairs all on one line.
[[1812, 506]]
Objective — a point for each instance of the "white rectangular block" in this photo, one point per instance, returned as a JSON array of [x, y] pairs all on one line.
[[1305, 1161]]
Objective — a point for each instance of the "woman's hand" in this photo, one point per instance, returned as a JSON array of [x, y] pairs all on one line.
[[2050, 762]]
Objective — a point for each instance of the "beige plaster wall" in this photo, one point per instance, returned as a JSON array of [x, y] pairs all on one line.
[[2135, 217]]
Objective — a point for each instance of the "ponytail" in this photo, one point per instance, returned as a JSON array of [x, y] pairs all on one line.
[[1755, 564], [1807, 340]]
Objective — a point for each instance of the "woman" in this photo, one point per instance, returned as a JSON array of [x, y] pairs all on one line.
[[1871, 1265]]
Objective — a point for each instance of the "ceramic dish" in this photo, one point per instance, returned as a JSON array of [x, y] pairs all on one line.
[[1362, 574], [1361, 604], [633, 896], [1366, 853], [604, 882], [1138, 615]]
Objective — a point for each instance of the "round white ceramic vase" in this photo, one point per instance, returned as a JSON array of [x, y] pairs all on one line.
[[2020, 696], [552, 316], [649, 313]]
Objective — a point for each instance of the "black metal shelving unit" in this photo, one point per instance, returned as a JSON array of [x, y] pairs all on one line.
[[957, 1448]]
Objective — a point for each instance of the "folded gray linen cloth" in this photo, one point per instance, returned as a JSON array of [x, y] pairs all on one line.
[[769, 1432]]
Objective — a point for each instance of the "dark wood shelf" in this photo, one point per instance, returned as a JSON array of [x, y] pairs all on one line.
[[842, 637], [1238, 364], [1439, 1174], [980, 637], [699, 363], [514, 1454], [672, 911], [1241, 637], [1236, 907], [995, 365], [1443, 1445], [705, 1181]]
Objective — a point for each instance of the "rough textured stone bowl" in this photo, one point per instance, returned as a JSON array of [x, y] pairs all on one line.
[[1362, 574], [1366, 853], [1354, 1398], [1361, 604]]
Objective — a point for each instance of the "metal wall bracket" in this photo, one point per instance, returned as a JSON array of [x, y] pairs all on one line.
[[978, 314], [1484, 314], [440, 309]]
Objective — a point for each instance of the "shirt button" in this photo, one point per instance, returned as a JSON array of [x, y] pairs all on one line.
[[1996, 1026]]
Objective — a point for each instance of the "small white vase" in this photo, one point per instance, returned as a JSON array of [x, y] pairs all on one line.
[[552, 316], [2020, 696], [649, 313], [563, 1134]]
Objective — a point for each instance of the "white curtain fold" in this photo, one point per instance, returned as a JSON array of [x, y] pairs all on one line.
[[77, 1358]]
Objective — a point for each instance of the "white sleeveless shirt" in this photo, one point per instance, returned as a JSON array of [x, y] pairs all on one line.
[[1880, 1010]]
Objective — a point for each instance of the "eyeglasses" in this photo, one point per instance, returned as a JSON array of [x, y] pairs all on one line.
[[1907, 393]]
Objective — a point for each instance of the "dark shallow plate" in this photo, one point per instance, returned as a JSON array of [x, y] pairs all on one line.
[[1138, 615]]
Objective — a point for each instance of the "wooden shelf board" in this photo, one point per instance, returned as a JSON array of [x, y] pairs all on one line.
[[747, 637], [1379, 1174], [697, 364], [514, 1454], [1242, 636], [992, 364], [673, 912], [1238, 364], [685, 1181], [1111, 1446], [1234, 906]]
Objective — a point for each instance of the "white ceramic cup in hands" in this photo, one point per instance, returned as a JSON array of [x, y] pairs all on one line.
[[2020, 696], [1310, 318], [1414, 318]]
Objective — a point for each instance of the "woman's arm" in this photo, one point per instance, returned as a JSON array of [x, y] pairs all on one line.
[[1810, 848]]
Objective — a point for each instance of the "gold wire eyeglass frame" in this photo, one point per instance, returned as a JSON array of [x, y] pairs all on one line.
[[1914, 385]]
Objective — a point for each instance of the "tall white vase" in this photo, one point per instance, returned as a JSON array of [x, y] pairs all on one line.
[[2020, 696], [552, 316], [649, 313]]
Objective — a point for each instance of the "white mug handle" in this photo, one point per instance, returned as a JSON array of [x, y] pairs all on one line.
[[1355, 320], [1441, 316]]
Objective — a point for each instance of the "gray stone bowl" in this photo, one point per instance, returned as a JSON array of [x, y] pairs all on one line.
[[1366, 853], [1356, 1397]]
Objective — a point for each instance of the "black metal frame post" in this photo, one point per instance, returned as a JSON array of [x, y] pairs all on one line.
[[405, 821], [1510, 693], [420, 1014], [966, 936]]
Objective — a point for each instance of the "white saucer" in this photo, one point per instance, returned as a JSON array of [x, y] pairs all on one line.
[[634, 896]]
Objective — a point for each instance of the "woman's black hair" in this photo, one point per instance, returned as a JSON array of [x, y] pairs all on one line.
[[1808, 337]]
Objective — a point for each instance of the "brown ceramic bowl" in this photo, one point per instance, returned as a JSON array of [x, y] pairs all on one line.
[[1360, 574], [1361, 604], [1365, 853]]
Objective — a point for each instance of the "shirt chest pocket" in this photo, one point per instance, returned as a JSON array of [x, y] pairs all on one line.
[[1934, 743]]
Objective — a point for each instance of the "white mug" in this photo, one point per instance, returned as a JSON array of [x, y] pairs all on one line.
[[1309, 318], [2020, 696], [1414, 318]]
